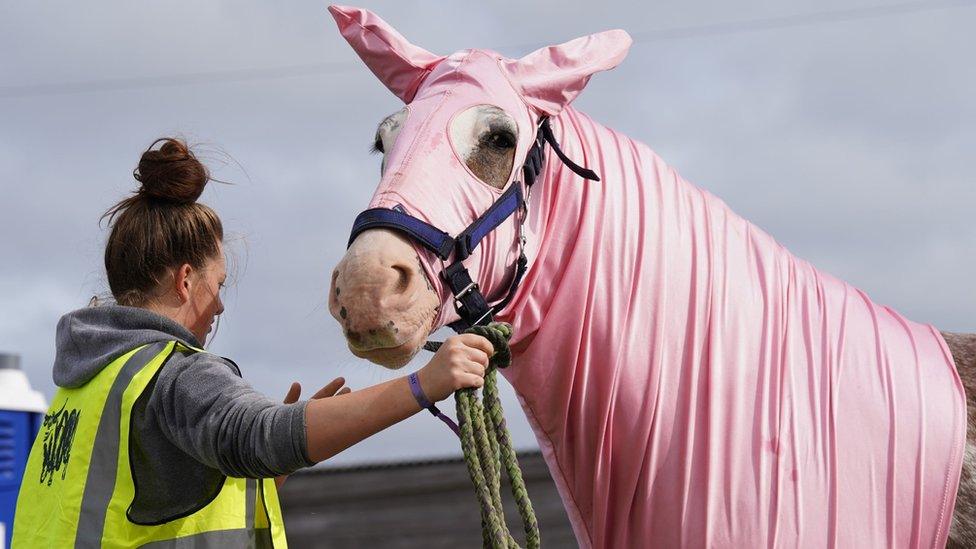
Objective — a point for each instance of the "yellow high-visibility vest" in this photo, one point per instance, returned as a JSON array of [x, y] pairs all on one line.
[[78, 484]]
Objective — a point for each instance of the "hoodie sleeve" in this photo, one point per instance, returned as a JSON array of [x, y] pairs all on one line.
[[207, 410]]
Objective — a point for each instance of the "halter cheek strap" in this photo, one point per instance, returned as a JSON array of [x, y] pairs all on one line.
[[470, 304]]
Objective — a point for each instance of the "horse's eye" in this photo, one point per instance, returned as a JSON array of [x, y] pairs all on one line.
[[500, 140], [377, 146]]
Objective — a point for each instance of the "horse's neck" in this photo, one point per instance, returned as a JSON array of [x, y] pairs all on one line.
[[640, 245]]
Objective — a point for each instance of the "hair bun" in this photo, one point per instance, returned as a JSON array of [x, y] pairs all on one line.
[[171, 173]]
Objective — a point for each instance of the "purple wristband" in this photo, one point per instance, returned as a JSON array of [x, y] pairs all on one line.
[[418, 392], [424, 402]]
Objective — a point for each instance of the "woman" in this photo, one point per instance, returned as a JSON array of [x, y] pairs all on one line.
[[150, 440]]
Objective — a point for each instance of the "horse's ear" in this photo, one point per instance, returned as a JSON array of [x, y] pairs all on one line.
[[400, 65], [550, 78]]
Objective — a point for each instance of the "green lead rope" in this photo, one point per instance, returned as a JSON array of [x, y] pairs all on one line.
[[487, 445]]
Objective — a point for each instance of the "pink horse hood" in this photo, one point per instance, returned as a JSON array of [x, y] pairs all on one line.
[[690, 382]]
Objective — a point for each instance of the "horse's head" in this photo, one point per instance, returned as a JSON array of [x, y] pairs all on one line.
[[457, 146]]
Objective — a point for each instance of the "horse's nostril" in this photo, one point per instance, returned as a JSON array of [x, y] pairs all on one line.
[[403, 278]]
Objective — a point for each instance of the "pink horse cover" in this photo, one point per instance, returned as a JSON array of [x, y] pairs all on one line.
[[691, 382]]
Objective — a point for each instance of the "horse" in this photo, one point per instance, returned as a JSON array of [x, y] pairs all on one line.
[[689, 380]]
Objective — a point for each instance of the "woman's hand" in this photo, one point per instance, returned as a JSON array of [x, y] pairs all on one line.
[[335, 387], [458, 364], [334, 424]]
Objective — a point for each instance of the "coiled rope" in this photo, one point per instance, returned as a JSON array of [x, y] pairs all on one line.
[[487, 446]]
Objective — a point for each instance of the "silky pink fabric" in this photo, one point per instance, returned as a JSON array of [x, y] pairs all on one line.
[[691, 383], [397, 63]]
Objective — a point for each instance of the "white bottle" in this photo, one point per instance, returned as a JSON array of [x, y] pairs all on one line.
[[15, 390]]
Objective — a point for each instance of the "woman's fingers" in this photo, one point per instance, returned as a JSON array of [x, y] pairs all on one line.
[[477, 342], [476, 368], [472, 380], [477, 348], [331, 389], [478, 355], [294, 392], [335, 387]]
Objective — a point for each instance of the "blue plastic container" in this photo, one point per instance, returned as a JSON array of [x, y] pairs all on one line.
[[21, 413]]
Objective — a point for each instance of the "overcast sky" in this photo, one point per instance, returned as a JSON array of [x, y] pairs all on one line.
[[846, 130]]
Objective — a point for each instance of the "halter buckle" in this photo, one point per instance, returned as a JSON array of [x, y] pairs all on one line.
[[459, 305], [467, 289]]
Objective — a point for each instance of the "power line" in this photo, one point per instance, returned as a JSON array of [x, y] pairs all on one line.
[[337, 67], [803, 20], [208, 77], [787, 21]]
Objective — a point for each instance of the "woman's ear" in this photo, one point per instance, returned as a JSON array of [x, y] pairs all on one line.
[[550, 78], [182, 282]]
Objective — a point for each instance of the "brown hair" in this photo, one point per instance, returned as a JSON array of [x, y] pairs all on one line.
[[161, 226]]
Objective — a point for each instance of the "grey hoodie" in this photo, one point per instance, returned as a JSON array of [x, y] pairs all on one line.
[[197, 422]]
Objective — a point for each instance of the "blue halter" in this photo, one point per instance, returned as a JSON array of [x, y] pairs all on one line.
[[469, 302]]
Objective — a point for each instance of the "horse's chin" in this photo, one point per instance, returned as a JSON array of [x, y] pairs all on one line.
[[392, 358]]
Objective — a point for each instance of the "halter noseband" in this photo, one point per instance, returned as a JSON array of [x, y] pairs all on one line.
[[469, 302]]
